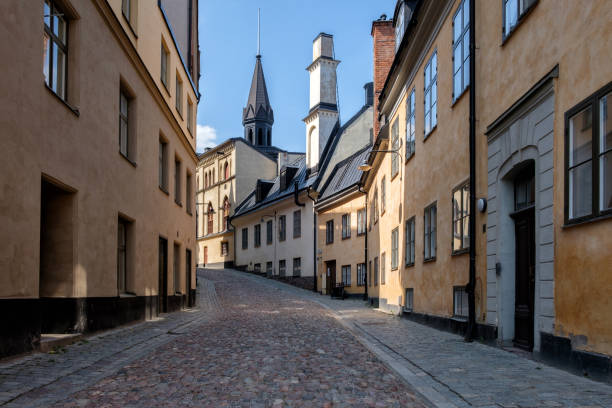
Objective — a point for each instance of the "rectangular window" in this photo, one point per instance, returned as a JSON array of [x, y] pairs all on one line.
[[124, 102], [514, 11], [269, 229], [361, 274], [374, 209], [177, 181], [395, 146], [410, 124], [460, 302], [282, 267], [297, 267], [257, 267], [163, 163], [376, 271], [269, 268], [257, 237], [179, 95], [297, 223], [55, 48], [346, 226], [589, 157], [329, 232], [383, 195], [394, 248], [383, 264], [190, 116], [370, 269], [431, 94], [346, 275], [122, 255], [176, 279], [361, 222], [282, 228], [165, 57], [461, 218], [126, 9], [429, 229], [408, 305], [245, 238], [461, 49], [410, 227], [188, 193], [224, 248]]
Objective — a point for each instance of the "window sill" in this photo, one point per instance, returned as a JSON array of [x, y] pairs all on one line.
[[394, 176], [133, 163], [178, 203], [190, 213], [66, 104], [394, 269], [127, 295], [583, 221], [329, 243], [460, 252], [345, 238], [459, 318], [129, 23], [433, 129], [409, 265], [409, 157], [518, 23], [297, 237], [429, 260], [163, 190], [180, 114], [359, 234], [457, 99]]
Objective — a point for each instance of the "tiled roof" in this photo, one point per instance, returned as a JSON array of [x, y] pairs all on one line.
[[345, 174]]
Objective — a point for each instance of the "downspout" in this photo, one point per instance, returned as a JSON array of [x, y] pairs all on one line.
[[365, 245], [233, 228], [471, 286], [314, 240]]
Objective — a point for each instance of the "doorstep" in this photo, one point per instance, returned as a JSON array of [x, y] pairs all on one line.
[[49, 341]]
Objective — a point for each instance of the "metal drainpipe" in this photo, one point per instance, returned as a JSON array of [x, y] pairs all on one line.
[[365, 245], [233, 228], [314, 240], [471, 286]]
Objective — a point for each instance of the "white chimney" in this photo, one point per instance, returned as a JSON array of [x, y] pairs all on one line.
[[323, 114]]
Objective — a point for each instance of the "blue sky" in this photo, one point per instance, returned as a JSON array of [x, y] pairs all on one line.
[[228, 42]]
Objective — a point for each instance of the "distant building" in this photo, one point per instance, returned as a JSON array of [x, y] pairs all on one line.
[[99, 164]]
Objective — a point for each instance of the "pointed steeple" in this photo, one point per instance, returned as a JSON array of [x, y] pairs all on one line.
[[258, 105]]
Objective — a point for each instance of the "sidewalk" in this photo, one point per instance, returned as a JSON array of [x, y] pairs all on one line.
[[452, 373]]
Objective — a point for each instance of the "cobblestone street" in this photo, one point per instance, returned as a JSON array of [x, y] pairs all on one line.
[[254, 342]]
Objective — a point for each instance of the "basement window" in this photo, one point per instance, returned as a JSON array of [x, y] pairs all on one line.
[[460, 302]]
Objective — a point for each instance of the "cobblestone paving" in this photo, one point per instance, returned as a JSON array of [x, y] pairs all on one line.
[[250, 344], [451, 372]]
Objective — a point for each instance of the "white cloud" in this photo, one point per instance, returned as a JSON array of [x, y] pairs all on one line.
[[206, 137]]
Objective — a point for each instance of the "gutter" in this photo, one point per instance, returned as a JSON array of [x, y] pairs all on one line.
[[296, 194], [314, 239], [471, 286], [365, 245]]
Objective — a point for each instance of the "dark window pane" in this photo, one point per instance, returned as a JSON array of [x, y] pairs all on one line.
[[581, 190]]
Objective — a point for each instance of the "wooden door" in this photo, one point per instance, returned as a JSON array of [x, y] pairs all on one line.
[[162, 293], [188, 277], [205, 255], [331, 276], [524, 223]]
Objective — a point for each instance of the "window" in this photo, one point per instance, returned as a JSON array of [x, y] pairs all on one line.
[[55, 49], [257, 267], [190, 116], [460, 302], [514, 11], [429, 228], [431, 94], [269, 232], [410, 227], [346, 275], [209, 218], [188, 193], [226, 171], [346, 226], [177, 181], [375, 271], [410, 124], [257, 237], [408, 305], [361, 222], [124, 102], [269, 268], [399, 27], [282, 267], [383, 195], [383, 264], [375, 206], [395, 146], [461, 218], [122, 255], [394, 248], [297, 223], [329, 232], [126, 8], [226, 213], [297, 267], [179, 95], [370, 269], [224, 248], [165, 56], [176, 270], [282, 228], [588, 192], [163, 165], [205, 180], [245, 238], [361, 274], [461, 49]]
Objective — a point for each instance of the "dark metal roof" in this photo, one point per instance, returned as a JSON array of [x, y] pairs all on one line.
[[258, 105], [345, 174]]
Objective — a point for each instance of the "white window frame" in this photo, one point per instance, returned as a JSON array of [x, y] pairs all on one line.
[[430, 95]]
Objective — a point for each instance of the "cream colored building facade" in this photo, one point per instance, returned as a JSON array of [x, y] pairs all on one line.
[[98, 178]]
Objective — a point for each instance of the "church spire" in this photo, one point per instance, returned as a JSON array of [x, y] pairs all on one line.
[[258, 116]]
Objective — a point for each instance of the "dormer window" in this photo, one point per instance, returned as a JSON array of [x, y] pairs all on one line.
[[400, 26]]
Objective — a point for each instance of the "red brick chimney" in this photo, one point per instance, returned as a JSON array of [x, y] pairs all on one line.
[[384, 51]]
